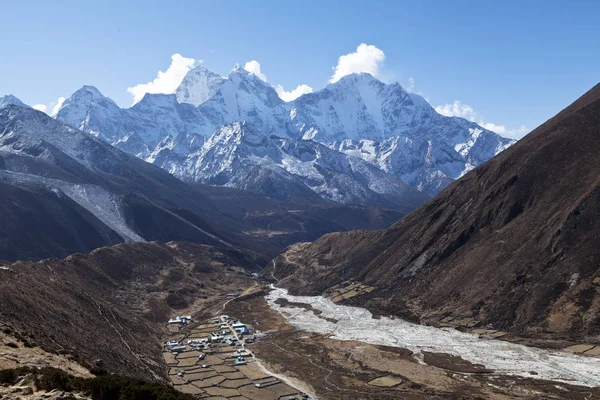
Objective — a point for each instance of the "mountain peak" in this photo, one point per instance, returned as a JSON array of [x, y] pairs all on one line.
[[9, 99], [199, 68], [360, 76], [240, 72], [198, 85], [91, 89], [357, 78], [90, 93], [237, 68]]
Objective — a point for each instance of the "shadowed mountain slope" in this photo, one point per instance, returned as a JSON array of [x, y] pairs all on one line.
[[514, 243], [65, 191]]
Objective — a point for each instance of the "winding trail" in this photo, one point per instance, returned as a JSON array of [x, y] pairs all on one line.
[[154, 375]]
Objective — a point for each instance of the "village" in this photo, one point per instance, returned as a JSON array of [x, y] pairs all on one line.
[[211, 361]]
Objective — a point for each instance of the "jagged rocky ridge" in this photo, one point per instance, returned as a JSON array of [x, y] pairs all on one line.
[[65, 191], [8, 100], [358, 116]]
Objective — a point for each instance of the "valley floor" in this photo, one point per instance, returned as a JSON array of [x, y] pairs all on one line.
[[324, 349], [301, 347]]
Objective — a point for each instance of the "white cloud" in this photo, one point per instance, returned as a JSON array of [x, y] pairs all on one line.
[[458, 109], [254, 68], [366, 58], [57, 106], [50, 108], [165, 81], [490, 126], [514, 133], [294, 94], [40, 107]]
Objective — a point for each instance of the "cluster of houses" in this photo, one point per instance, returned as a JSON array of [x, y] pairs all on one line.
[[180, 320], [230, 332], [216, 337]]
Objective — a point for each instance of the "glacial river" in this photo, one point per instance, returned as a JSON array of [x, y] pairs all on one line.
[[504, 358]]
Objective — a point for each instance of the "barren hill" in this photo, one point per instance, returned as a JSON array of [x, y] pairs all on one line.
[[514, 243], [109, 307]]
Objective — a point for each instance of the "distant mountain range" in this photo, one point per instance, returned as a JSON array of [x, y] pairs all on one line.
[[65, 191], [357, 154], [310, 146]]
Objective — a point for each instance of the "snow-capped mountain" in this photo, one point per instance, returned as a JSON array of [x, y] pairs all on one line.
[[245, 97], [80, 193], [89, 110], [198, 85], [397, 132], [241, 156], [8, 100], [137, 130]]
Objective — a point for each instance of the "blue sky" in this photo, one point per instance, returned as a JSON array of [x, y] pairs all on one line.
[[510, 63]]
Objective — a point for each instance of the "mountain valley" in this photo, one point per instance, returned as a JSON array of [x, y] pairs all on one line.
[[511, 245], [215, 241]]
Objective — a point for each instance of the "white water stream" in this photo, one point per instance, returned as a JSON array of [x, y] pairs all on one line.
[[504, 358]]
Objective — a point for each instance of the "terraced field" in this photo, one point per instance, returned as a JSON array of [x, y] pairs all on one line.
[[212, 372]]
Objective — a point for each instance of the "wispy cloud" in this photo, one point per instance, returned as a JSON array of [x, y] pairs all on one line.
[[57, 106], [458, 109], [165, 81], [411, 84], [53, 106], [366, 58]]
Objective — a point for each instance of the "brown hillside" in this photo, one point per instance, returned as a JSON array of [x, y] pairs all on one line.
[[112, 305], [515, 243]]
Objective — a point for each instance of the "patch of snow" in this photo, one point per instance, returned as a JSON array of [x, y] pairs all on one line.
[[574, 279], [104, 206]]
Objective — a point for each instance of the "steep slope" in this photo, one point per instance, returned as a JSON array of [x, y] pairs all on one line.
[[240, 156], [108, 308], [198, 85], [137, 130], [98, 195], [397, 131], [8, 100], [245, 97], [89, 110], [81, 193], [513, 244], [158, 116]]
